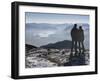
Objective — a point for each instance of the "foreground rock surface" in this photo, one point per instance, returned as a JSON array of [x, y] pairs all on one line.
[[37, 58]]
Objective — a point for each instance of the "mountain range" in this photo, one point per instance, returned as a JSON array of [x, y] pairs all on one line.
[[58, 45], [46, 34], [54, 26]]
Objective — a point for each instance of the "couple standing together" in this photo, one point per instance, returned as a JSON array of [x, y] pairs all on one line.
[[77, 39]]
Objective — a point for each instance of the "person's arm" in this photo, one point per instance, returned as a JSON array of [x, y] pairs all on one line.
[[83, 34]]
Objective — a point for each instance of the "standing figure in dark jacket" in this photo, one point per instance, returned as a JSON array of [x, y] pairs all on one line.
[[81, 39], [74, 35]]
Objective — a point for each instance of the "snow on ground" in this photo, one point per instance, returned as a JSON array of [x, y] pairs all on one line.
[[39, 62], [49, 58]]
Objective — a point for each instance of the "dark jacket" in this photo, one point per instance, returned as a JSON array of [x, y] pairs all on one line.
[[74, 34], [80, 35]]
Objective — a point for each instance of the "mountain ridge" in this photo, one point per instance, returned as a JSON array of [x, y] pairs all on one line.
[[58, 45]]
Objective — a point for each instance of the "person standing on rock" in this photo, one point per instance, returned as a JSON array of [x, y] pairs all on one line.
[[74, 36], [81, 39]]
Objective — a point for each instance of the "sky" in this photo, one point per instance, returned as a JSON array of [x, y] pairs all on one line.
[[45, 28], [55, 18]]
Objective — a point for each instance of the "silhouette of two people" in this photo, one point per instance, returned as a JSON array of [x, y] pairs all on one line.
[[77, 36]]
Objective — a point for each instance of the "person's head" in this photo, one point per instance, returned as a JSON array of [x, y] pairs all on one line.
[[80, 27], [75, 25]]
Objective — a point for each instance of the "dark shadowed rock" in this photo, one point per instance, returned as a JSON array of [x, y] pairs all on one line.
[[28, 47]]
